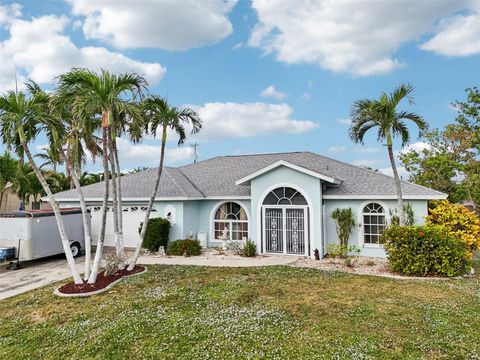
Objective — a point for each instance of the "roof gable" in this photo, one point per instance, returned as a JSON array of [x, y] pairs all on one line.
[[247, 179]]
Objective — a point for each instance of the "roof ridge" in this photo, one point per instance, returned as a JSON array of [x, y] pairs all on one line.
[[173, 179], [373, 171], [191, 182]]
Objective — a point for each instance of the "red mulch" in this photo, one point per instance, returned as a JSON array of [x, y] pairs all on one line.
[[102, 282]]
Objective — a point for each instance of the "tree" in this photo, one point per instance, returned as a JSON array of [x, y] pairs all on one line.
[[383, 115], [451, 160], [50, 158], [344, 223], [100, 96], [8, 169], [160, 116], [22, 117]]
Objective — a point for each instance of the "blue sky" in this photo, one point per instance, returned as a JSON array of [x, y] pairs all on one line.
[[266, 76]]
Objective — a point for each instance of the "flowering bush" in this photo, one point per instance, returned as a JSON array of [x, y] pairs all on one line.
[[425, 250], [458, 222]]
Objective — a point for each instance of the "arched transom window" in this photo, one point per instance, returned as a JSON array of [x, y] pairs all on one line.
[[284, 196], [231, 219], [374, 223]]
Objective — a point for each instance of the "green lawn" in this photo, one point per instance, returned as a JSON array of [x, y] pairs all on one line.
[[175, 312]]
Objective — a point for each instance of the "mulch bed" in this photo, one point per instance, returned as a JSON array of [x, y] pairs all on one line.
[[102, 282]]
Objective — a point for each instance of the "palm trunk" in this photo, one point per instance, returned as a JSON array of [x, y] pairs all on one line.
[[86, 223], [150, 203], [58, 216], [119, 195], [401, 212], [114, 194], [1, 199], [101, 236]]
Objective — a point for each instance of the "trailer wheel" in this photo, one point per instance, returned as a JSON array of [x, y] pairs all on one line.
[[75, 247]]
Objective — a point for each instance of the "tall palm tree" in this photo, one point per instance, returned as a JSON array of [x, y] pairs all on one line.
[[50, 157], [100, 96], [8, 169], [383, 115], [22, 117], [159, 115]]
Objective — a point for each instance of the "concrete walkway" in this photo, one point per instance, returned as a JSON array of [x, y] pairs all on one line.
[[38, 273], [220, 261]]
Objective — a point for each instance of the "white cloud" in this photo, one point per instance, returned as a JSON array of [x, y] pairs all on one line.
[[458, 35], [238, 45], [167, 24], [241, 120], [149, 155], [305, 96], [270, 91], [344, 121], [40, 50], [356, 37], [367, 162], [366, 150], [416, 146], [337, 149], [9, 12]]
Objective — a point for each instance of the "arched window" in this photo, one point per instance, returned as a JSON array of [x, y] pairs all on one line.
[[374, 223], [231, 217], [284, 196]]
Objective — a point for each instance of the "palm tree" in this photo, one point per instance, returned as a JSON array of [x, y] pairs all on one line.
[[383, 115], [158, 114], [8, 169], [93, 95], [22, 117], [50, 157]]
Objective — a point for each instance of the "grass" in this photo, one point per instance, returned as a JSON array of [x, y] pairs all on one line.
[[187, 312]]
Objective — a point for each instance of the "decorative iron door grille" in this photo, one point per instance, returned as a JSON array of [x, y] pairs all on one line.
[[285, 229], [295, 231], [273, 230]]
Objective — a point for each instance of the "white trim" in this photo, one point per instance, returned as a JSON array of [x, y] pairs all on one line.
[[384, 197], [301, 169], [311, 217], [172, 198], [284, 223], [361, 234], [211, 236]]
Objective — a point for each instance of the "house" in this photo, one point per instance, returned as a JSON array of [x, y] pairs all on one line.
[[11, 201], [281, 201]]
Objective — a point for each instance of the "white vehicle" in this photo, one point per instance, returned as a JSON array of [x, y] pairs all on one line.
[[37, 235]]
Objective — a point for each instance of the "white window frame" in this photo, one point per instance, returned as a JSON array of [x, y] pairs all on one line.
[[213, 220], [361, 232]]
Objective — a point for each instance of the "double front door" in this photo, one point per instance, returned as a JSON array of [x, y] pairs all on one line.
[[285, 229]]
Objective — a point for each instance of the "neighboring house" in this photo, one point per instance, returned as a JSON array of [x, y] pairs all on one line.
[[11, 202], [280, 201]]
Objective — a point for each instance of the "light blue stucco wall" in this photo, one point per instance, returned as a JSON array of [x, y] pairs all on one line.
[[419, 206], [309, 186]]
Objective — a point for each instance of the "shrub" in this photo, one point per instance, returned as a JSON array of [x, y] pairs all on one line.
[[344, 224], [409, 215], [425, 250], [249, 249], [334, 250], [188, 247], [157, 233], [457, 221]]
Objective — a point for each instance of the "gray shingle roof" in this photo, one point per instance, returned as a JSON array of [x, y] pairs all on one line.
[[217, 177]]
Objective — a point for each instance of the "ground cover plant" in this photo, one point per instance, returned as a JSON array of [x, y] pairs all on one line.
[[191, 312]]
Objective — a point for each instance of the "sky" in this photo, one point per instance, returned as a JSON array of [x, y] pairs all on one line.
[[264, 75]]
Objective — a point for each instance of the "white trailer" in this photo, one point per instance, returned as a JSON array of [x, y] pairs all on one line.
[[37, 235]]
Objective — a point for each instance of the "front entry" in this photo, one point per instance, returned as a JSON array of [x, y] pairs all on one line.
[[285, 222]]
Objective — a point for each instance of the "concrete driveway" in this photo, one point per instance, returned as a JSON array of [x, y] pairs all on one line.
[[34, 274]]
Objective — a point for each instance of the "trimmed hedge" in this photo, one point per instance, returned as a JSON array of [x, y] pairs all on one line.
[[188, 247], [157, 233], [425, 250]]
